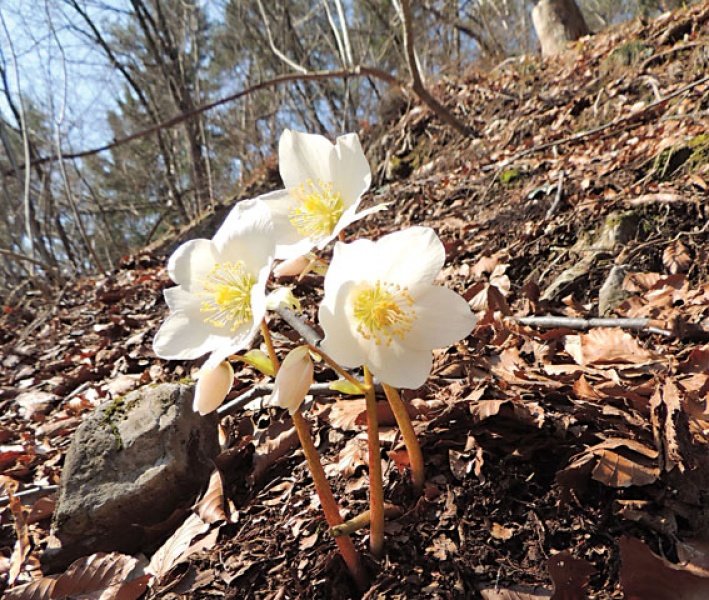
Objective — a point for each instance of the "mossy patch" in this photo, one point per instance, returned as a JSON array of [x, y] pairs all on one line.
[[692, 155], [509, 176], [626, 55], [114, 413]]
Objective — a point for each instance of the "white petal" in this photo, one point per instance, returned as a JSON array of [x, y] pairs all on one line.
[[303, 157], [246, 215], [289, 242], [233, 345], [191, 262], [283, 297], [252, 243], [398, 366], [442, 318], [340, 342], [350, 262], [212, 387], [185, 335], [294, 379], [409, 258], [349, 169]]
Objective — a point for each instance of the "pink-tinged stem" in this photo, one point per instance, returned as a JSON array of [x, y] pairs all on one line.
[[413, 447], [376, 487]]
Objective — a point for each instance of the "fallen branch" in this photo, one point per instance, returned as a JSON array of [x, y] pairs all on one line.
[[299, 326], [552, 321], [265, 389], [29, 493]]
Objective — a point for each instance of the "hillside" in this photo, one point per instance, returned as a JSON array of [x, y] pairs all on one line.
[[563, 460]]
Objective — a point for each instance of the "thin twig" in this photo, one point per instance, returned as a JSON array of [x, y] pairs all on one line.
[[559, 195], [357, 71], [552, 321], [417, 85], [265, 389], [39, 490], [299, 326]]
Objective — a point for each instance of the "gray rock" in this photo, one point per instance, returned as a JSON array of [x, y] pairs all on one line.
[[131, 464]]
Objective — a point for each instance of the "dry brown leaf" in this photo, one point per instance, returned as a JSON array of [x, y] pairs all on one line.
[[173, 551], [519, 592], [210, 507], [606, 346], [666, 416], [276, 442], [570, 576], [618, 467], [485, 264], [676, 258], [585, 391], [22, 547], [351, 415], [646, 576], [354, 455], [100, 576], [500, 532]]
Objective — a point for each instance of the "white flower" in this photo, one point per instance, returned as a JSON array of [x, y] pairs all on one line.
[[220, 298], [212, 387], [324, 184], [381, 309], [293, 380]]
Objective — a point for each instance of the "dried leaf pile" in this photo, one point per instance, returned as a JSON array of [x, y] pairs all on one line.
[[563, 461]]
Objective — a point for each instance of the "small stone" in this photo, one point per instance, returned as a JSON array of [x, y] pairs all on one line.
[[131, 464]]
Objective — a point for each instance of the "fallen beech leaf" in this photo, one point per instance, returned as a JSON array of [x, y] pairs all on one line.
[[210, 507], [354, 455], [100, 576], [606, 346], [351, 415], [485, 264], [500, 532], [666, 416], [172, 552], [645, 576], [272, 444], [676, 258], [43, 508], [615, 469], [22, 545], [570, 576], [519, 592]]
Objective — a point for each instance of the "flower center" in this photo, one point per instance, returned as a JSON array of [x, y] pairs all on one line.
[[318, 211], [227, 295], [383, 312]]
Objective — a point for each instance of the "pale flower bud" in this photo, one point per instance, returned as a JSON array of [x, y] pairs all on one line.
[[212, 388], [293, 380], [282, 297], [291, 267]]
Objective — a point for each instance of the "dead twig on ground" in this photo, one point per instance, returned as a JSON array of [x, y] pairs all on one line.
[[577, 323]]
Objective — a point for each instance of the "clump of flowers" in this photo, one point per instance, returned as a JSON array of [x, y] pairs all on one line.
[[380, 312]]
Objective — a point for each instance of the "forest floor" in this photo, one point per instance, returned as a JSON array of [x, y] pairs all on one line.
[[560, 462]]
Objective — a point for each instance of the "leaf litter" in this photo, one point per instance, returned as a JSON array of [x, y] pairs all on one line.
[[559, 464]]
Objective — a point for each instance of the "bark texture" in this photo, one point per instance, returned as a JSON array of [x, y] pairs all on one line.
[[556, 23]]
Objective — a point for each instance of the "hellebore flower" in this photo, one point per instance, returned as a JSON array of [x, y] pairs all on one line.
[[381, 310], [293, 380], [220, 299], [324, 183], [212, 387]]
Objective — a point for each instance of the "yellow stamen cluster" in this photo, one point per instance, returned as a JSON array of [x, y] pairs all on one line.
[[227, 295], [318, 211], [383, 312]]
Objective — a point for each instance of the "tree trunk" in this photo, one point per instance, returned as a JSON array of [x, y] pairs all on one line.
[[556, 23]]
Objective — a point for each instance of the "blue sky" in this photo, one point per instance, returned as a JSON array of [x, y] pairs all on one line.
[[91, 85]]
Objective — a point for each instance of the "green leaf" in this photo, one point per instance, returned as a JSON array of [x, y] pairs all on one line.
[[346, 387], [258, 359]]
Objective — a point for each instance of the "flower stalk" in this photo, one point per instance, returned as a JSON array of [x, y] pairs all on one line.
[[376, 486], [268, 340], [413, 448], [327, 500]]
